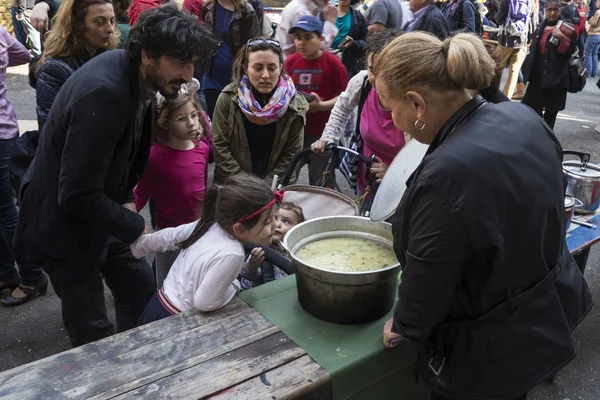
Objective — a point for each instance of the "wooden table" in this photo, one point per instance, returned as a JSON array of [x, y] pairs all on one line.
[[233, 353]]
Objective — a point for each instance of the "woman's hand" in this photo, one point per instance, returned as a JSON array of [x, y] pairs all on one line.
[[39, 17], [557, 33], [257, 257], [391, 339], [348, 43], [379, 169], [318, 147], [316, 104]]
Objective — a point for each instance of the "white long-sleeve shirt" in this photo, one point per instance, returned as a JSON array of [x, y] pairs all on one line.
[[346, 103], [204, 275], [290, 15]]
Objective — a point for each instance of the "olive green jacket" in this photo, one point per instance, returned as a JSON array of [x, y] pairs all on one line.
[[230, 146]]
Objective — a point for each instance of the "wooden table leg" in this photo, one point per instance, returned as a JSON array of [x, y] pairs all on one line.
[[581, 259]]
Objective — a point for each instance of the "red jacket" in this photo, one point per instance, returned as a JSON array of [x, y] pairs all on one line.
[[195, 8], [582, 19], [139, 6]]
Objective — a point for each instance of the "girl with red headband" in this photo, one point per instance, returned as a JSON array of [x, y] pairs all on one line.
[[204, 274]]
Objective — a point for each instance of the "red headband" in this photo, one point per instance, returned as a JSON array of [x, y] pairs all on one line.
[[277, 198]]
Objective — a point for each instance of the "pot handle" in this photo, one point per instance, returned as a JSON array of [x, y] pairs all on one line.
[[577, 201], [584, 157]]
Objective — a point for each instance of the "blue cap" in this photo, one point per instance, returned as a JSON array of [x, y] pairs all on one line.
[[308, 23]]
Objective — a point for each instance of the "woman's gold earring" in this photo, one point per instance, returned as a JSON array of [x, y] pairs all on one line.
[[420, 124]]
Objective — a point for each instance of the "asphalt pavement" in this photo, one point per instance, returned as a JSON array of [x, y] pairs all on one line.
[[34, 330]]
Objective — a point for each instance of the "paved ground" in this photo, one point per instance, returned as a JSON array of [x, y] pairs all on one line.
[[34, 330]]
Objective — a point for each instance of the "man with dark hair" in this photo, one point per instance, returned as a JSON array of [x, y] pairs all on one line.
[[568, 12], [427, 18], [77, 214]]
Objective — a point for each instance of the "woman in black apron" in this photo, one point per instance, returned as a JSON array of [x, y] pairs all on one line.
[[489, 293]]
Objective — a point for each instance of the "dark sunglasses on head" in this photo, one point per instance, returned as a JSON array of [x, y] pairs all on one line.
[[259, 40]]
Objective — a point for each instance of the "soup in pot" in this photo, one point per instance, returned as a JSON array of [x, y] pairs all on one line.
[[347, 255]]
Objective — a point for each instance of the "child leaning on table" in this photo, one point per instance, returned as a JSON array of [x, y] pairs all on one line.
[[288, 216], [212, 254]]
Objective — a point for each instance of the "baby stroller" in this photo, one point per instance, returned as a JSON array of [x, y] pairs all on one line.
[[325, 198]]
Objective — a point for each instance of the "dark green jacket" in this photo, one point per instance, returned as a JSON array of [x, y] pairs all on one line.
[[230, 146]]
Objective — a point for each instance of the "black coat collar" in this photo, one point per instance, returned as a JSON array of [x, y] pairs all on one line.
[[456, 121]]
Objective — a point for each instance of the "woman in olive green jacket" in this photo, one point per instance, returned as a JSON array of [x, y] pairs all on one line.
[[258, 124]]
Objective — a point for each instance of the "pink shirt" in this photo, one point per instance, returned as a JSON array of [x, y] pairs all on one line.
[[176, 180], [379, 135]]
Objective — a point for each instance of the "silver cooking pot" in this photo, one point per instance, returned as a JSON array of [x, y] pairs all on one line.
[[583, 181], [343, 297], [571, 203]]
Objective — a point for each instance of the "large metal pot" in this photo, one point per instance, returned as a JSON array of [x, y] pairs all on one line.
[[343, 297], [583, 181]]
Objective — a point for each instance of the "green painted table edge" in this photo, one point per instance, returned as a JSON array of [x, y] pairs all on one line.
[[359, 365]]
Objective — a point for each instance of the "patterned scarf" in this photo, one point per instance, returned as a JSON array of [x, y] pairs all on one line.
[[274, 109]]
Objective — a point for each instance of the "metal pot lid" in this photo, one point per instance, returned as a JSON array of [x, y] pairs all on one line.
[[393, 185], [577, 168], [569, 201]]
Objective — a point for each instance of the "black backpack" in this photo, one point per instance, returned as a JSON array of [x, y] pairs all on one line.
[[478, 16]]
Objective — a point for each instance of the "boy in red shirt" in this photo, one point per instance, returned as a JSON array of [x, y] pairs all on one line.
[[321, 77]]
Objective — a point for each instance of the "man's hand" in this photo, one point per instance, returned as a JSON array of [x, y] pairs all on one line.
[[391, 339], [130, 207], [39, 17]]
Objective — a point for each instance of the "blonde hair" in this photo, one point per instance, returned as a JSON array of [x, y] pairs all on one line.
[[419, 60], [66, 37]]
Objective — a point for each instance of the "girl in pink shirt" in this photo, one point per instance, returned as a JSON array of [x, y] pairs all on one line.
[[177, 171]]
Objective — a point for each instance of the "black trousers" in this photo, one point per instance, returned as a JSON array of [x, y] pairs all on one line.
[[548, 116], [435, 396], [81, 290]]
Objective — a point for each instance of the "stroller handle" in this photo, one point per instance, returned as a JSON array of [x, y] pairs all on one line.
[[306, 152]]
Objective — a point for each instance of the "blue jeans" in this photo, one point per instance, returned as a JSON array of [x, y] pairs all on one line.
[[19, 31], [592, 45], [31, 274], [581, 45]]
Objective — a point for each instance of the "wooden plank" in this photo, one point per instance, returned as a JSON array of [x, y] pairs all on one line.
[[71, 378], [295, 379], [121, 343], [222, 372]]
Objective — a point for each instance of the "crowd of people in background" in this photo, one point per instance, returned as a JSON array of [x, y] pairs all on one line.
[[135, 100]]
